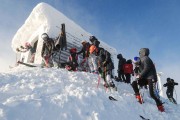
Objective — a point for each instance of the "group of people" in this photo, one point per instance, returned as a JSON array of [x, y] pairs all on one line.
[[97, 60], [125, 69]]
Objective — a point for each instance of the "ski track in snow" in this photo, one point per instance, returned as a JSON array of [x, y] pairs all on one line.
[[57, 94]]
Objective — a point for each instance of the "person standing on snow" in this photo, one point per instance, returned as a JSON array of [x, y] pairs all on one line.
[[170, 88], [108, 66], [47, 50], [93, 52], [85, 51], [147, 76], [120, 71], [128, 70]]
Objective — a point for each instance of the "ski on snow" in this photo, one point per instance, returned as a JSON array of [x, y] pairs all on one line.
[[26, 64], [112, 98]]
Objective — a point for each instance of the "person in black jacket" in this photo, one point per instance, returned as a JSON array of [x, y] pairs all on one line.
[[47, 50], [105, 67], [122, 61], [147, 76], [170, 88]]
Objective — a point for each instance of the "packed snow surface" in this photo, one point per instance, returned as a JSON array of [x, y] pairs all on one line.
[[57, 94]]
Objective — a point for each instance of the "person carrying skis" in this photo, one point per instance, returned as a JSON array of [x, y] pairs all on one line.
[[47, 50], [170, 88], [120, 71], [147, 76], [73, 60], [128, 70], [85, 51]]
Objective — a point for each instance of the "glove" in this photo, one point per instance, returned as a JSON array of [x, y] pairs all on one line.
[[104, 63], [138, 76], [17, 49], [22, 47], [100, 70]]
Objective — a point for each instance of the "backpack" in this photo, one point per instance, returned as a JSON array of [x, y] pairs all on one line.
[[128, 68], [93, 49]]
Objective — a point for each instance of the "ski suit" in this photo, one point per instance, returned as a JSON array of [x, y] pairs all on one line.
[[147, 75], [170, 88], [121, 62], [73, 62], [47, 51]]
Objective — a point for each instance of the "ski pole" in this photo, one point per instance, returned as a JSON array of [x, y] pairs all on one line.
[[99, 79], [175, 93]]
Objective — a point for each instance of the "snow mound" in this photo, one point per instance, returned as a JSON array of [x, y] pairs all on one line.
[[57, 94]]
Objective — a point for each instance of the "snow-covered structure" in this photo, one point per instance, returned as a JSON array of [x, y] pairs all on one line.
[[46, 19]]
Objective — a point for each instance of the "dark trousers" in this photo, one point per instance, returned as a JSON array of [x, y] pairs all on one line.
[[128, 78], [170, 96], [121, 76], [152, 89]]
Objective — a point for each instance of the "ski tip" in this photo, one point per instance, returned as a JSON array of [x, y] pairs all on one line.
[[112, 98], [143, 117]]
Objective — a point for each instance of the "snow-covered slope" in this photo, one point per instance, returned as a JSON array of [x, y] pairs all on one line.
[[56, 94]]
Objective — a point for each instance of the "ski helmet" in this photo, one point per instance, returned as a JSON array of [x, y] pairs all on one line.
[[136, 59], [45, 36]]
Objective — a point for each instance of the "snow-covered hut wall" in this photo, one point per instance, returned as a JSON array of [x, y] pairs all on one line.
[[45, 18]]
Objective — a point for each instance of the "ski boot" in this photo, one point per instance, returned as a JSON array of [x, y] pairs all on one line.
[[139, 98], [161, 108]]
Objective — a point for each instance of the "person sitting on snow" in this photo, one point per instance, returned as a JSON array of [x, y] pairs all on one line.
[[47, 50], [170, 88], [73, 60]]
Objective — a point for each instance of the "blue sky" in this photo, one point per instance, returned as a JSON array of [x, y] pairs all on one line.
[[127, 25]]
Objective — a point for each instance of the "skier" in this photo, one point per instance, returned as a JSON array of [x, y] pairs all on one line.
[[105, 66], [136, 70], [73, 60], [85, 51], [93, 52], [170, 88], [128, 70], [47, 50], [147, 76], [108, 66], [120, 71]]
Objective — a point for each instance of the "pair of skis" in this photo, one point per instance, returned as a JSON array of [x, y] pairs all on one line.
[[114, 99]]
